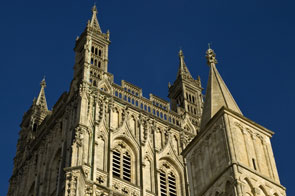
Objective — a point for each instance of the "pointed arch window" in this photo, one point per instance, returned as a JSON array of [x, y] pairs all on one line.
[[167, 184], [122, 165], [35, 127]]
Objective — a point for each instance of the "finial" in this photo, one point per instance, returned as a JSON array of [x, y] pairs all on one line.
[[43, 83], [180, 53], [94, 9], [210, 56], [108, 34]]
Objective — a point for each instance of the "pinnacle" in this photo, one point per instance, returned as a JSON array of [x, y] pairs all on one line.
[[211, 57], [180, 53], [217, 93], [94, 22], [41, 100], [43, 82], [94, 9], [183, 70]]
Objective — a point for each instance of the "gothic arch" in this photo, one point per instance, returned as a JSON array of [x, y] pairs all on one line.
[[172, 162], [264, 192], [132, 125], [124, 140], [115, 116], [122, 144], [101, 131], [188, 126], [129, 140], [175, 144], [122, 120], [170, 178], [176, 166], [149, 173], [105, 85], [168, 153], [166, 141], [54, 167], [248, 187], [101, 152]]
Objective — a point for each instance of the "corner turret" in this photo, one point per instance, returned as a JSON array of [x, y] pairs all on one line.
[[91, 54]]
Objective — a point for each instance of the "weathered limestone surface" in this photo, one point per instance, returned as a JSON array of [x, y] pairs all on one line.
[[231, 155], [102, 138]]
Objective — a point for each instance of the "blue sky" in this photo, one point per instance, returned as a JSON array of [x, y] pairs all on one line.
[[253, 41]]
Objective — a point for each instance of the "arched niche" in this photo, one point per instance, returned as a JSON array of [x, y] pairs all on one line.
[[54, 168]]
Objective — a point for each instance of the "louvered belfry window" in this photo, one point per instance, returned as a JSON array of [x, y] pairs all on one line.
[[167, 184], [117, 164], [122, 165], [163, 183], [172, 184], [126, 167]]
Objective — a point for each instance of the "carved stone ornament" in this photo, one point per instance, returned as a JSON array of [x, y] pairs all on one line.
[[211, 57], [78, 136], [166, 165], [88, 190], [100, 193], [116, 186], [135, 194], [239, 126], [145, 132], [100, 179], [185, 138], [125, 190], [122, 144]]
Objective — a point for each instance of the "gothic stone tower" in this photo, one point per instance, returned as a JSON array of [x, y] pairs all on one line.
[[102, 138], [231, 155], [186, 94]]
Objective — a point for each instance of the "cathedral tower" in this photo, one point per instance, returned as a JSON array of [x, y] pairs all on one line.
[[91, 61], [232, 155], [104, 139], [186, 93]]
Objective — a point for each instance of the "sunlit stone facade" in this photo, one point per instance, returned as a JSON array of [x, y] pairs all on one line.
[[103, 138]]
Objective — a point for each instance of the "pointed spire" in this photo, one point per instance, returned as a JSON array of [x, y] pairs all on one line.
[[217, 93], [183, 70], [41, 100], [94, 22]]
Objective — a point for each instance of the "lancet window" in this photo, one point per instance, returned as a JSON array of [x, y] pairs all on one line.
[[122, 164], [168, 184]]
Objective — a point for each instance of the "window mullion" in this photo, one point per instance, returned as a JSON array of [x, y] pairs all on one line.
[[121, 165]]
